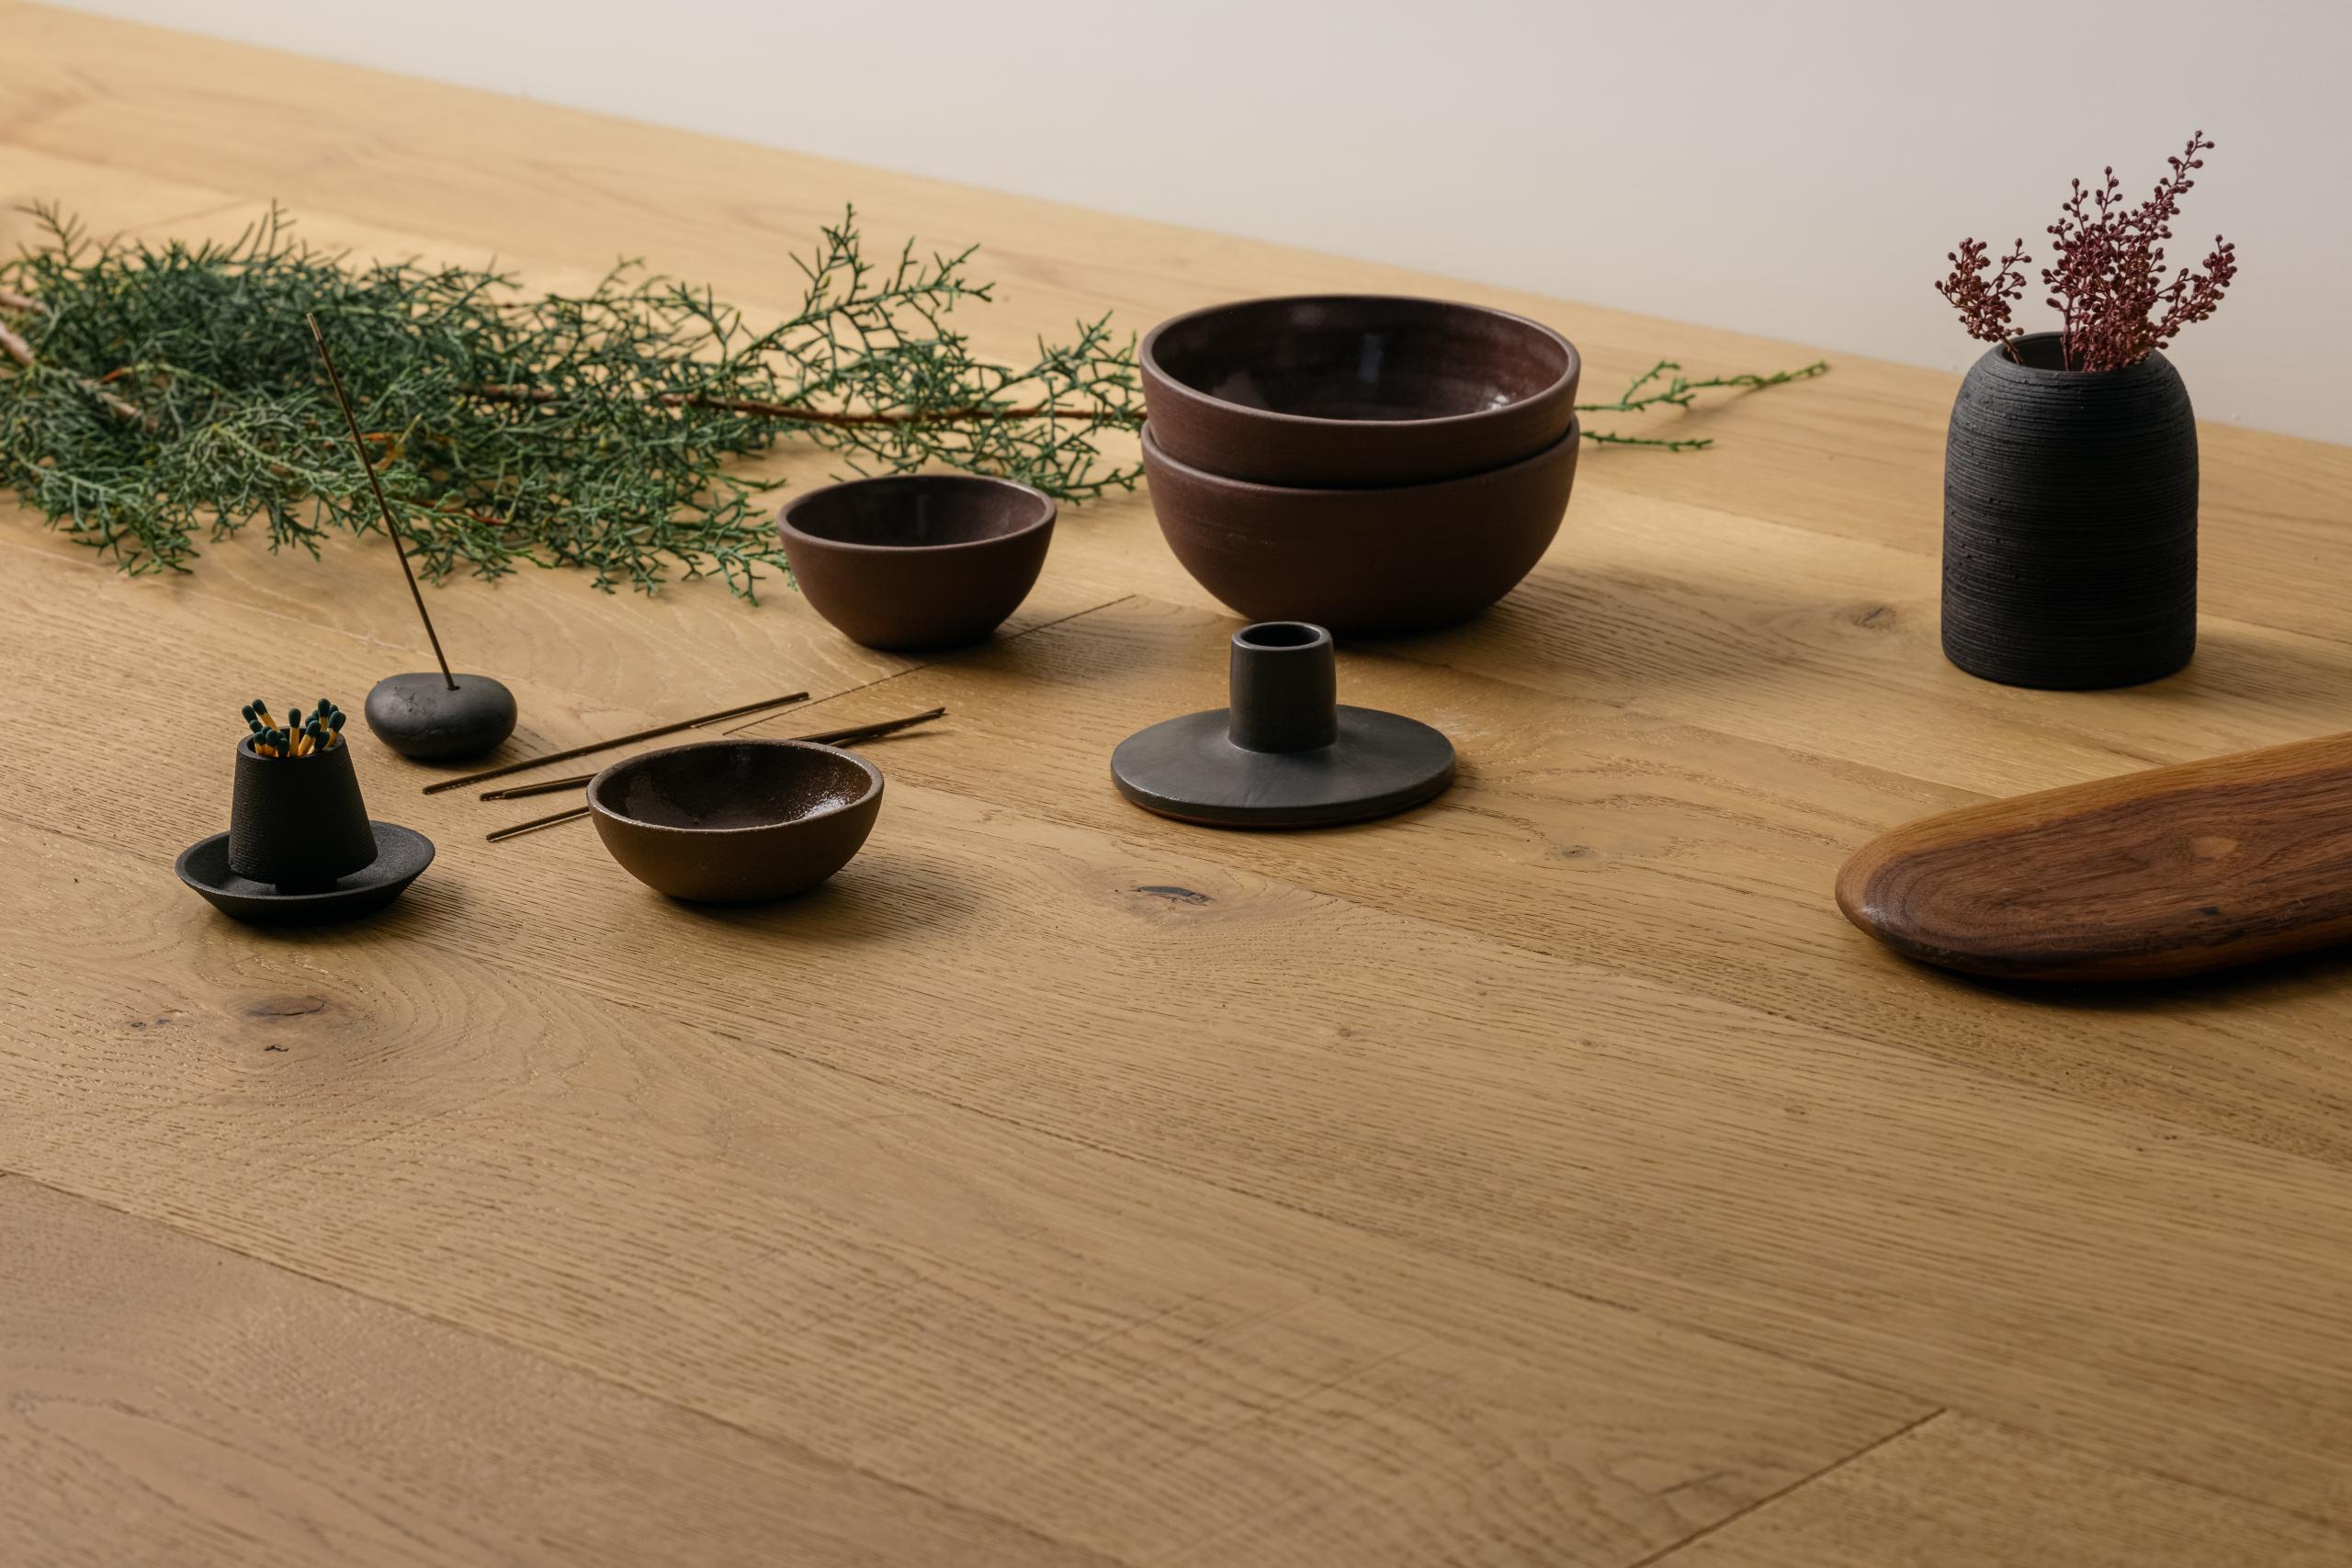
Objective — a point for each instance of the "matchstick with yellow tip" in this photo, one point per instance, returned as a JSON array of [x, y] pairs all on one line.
[[302, 735]]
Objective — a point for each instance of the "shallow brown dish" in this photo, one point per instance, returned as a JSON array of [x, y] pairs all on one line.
[[1355, 390], [916, 561], [736, 821], [1362, 562]]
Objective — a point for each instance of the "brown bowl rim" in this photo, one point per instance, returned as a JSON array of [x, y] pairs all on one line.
[[596, 786], [791, 530], [1575, 433], [1149, 356]]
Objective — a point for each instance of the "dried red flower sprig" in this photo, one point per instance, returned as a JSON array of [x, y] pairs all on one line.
[[1984, 302], [2115, 304]]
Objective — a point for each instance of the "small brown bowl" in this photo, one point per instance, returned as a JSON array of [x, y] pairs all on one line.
[[1355, 390], [736, 821], [1362, 562], [915, 561]]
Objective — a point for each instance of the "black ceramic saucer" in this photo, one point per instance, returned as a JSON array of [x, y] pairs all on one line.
[[1190, 768], [401, 853]]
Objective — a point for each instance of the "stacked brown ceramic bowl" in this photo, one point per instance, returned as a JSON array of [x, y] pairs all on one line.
[[1376, 465]]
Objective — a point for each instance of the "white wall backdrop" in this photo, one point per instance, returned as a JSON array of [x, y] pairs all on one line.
[[1795, 168]]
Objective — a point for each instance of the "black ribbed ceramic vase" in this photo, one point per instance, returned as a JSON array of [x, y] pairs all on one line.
[[2070, 522]]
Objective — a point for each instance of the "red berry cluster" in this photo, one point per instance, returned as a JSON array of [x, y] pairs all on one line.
[[2115, 303], [1984, 302]]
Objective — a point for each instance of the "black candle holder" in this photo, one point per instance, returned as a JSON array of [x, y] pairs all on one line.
[[1286, 754]]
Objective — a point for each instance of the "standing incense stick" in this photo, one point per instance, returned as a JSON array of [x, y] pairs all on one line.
[[359, 446], [429, 720]]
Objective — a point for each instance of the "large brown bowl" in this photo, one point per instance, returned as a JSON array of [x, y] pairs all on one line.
[[1362, 562], [1355, 390], [915, 561], [736, 821]]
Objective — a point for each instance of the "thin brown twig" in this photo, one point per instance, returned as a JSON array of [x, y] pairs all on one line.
[[502, 392], [21, 352], [447, 507], [451, 509]]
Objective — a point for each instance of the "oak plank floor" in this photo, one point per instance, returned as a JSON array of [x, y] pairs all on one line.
[[943, 1298], [1547, 1176], [165, 1400]]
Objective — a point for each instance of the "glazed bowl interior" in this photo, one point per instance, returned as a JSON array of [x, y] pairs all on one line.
[[722, 785], [1361, 358], [919, 510]]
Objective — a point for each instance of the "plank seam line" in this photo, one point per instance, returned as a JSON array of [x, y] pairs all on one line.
[[1071, 1138], [1698, 1328], [692, 1411], [936, 661], [1837, 537], [1704, 1531], [365, 639], [2333, 1524], [369, 640]]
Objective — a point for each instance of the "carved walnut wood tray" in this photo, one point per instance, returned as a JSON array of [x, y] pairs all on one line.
[[2174, 870]]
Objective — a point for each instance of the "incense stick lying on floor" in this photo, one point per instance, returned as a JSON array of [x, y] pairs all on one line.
[[827, 737], [595, 746]]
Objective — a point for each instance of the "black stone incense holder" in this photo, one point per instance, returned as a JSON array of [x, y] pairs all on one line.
[[429, 717], [1286, 754]]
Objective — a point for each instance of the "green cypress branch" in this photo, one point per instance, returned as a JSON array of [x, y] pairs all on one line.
[[156, 396], [1681, 392]]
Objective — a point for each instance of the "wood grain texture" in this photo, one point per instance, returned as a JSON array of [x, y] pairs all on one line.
[[1547, 1176], [1397, 1110], [164, 1401], [1601, 833], [1007, 1320], [2160, 873]]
